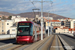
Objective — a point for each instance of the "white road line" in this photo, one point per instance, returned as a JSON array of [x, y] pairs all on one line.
[[65, 44]]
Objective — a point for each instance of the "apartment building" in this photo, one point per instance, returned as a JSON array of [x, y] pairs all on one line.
[[1, 27], [5, 26], [17, 19], [70, 23], [67, 23], [56, 23], [53, 23], [62, 29], [13, 17], [73, 23]]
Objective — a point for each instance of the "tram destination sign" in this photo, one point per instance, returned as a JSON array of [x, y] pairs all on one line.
[[24, 24]]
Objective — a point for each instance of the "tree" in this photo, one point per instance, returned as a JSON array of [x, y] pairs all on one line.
[[10, 17]]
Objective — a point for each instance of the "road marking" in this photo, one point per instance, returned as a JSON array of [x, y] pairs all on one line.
[[65, 44]]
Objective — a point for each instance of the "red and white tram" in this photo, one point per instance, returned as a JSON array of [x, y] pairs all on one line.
[[28, 32]]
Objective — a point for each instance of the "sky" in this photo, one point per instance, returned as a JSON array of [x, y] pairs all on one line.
[[61, 7]]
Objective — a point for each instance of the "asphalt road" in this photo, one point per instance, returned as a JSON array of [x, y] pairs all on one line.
[[69, 40], [3, 42]]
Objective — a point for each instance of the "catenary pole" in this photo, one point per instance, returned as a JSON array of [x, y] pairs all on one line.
[[48, 23], [41, 19], [41, 16]]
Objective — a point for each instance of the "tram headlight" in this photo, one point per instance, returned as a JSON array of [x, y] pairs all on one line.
[[27, 39]]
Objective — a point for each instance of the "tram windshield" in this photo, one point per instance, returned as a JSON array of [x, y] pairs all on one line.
[[24, 29]]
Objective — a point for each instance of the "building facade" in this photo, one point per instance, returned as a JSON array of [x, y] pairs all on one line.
[[13, 30], [53, 23], [5, 26], [62, 29]]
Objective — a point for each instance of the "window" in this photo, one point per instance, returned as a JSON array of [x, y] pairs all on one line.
[[2, 23], [64, 29], [7, 23], [2, 30], [2, 27], [13, 29]]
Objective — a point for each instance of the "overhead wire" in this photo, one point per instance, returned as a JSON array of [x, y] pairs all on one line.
[[32, 3]]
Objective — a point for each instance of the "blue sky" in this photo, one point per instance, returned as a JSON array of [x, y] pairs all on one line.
[[61, 7]]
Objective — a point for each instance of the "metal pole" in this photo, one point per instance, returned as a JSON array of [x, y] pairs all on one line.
[[48, 23], [41, 19], [51, 22]]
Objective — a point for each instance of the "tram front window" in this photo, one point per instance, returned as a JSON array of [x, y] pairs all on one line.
[[23, 31]]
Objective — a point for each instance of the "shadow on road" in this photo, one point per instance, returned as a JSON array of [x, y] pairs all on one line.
[[8, 41]]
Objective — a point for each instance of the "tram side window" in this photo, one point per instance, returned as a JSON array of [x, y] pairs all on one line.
[[31, 30], [39, 29]]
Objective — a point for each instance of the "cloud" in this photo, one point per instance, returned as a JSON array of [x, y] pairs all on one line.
[[18, 6]]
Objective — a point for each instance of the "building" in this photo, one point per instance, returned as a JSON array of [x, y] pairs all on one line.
[[53, 23], [62, 29], [67, 23], [13, 30], [18, 18], [5, 26], [13, 17], [73, 24]]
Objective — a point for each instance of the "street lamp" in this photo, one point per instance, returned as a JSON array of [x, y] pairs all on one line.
[[34, 12], [48, 23]]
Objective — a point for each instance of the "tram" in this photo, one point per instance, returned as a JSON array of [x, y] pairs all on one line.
[[28, 32]]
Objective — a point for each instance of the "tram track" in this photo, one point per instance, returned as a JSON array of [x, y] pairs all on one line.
[[9, 47], [52, 43], [39, 48], [37, 44], [22, 47], [15, 47], [49, 43], [56, 44]]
